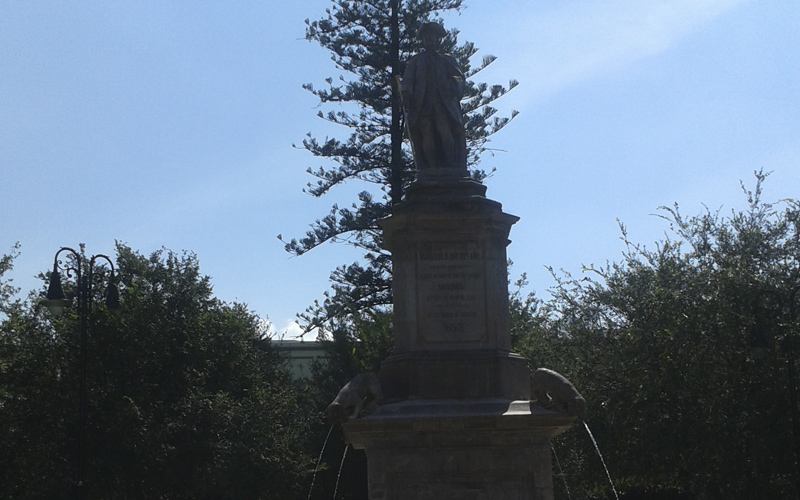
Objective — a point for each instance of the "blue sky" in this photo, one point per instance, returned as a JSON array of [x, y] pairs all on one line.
[[171, 124]]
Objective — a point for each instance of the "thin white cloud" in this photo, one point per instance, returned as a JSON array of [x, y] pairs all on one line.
[[555, 49], [292, 331]]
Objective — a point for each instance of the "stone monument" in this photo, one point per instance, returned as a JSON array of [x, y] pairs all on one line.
[[455, 420]]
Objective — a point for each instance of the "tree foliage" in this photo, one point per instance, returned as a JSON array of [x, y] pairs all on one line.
[[7, 290], [358, 348], [370, 41], [186, 397], [686, 354]]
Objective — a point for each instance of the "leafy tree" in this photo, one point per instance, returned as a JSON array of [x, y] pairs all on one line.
[[7, 291], [371, 40], [358, 349], [686, 355], [186, 397]]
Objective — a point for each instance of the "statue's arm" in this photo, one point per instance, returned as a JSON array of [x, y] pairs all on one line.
[[457, 80], [407, 83]]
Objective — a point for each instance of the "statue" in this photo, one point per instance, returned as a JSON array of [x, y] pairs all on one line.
[[431, 90]]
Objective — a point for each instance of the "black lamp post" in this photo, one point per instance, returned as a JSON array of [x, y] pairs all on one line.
[[56, 302]]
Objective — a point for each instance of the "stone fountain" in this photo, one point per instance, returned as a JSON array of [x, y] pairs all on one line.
[[455, 419]]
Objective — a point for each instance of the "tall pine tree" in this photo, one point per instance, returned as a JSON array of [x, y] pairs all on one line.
[[371, 40]]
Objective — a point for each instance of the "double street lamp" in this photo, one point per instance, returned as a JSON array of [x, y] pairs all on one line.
[[56, 302]]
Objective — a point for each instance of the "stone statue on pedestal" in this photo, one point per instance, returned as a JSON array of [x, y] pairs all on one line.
[[453, 416], [431, 89]]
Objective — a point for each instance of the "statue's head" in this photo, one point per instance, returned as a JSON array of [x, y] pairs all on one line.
[[430, 33]]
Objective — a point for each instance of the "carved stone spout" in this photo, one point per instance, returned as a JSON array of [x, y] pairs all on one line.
[[552, 390], [358, 397]]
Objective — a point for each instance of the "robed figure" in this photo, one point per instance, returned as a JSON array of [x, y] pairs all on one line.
[[431, 89]]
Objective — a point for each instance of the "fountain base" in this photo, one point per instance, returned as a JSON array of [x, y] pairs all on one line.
[[482, 449]]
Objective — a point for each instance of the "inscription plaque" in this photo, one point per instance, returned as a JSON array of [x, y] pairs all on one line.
[[452, 285]]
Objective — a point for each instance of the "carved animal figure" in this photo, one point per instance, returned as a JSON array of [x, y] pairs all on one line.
[[359, 396], [553, 390]]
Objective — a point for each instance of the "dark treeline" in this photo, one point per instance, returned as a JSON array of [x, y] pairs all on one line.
[[686, 354]]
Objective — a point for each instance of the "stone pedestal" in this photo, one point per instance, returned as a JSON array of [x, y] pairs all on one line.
[[448, 244], [450, 374], [458, 450], [456, 422]]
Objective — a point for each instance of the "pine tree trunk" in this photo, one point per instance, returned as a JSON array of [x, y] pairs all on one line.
[[396, 132]]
